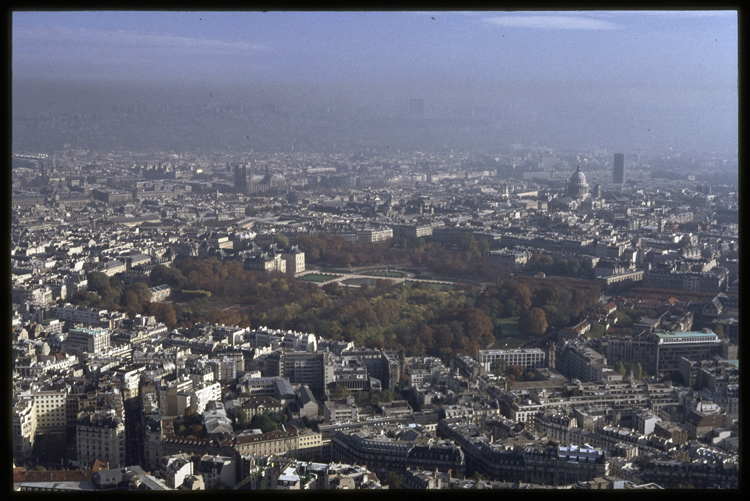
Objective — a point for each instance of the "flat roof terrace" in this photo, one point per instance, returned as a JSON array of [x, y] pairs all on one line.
[[687, 337]]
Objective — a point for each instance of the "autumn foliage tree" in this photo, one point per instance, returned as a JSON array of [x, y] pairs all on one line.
[[533, 322], [418, 320], [164, 313]]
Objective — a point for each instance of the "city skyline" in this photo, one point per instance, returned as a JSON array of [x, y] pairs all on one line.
[[374, 250], [614, 79]]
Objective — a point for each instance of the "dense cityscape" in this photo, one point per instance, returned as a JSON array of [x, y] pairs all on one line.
[[133, 373], [224, 291]]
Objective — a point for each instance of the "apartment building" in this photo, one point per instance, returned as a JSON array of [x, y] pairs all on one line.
[[407, 231], [101, 435], [175, 469], [313, 369], [511, 259], [383, 455], [267, 444], [168, 395], [277, 387], [671, 346], [86, 340], [595, 396], [52, 409], [341, 411], [351, 373], [218, 471], [35, 295], [24, 427], [311, 445], [528, 358], [555, 425], [258, 405], [111, 268], [578, 361], [525, 460], [644, 422], [632, 350], [667, 277], [198, 397], [77, 314], [374, 235]]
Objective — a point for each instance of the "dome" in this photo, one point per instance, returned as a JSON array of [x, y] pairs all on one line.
[[578, 177], [577, 186]]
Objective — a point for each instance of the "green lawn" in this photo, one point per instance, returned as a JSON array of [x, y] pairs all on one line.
[[510, 337], [510, 326], [319, 277], [371, 282], [383, 273]]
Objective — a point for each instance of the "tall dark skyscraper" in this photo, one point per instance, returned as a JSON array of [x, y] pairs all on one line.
[[618, 173], [240, 179]]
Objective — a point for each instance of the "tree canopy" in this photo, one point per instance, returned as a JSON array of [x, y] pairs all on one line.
[[418, 320]]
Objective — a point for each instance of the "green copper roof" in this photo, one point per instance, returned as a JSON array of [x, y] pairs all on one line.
[[668, 335]]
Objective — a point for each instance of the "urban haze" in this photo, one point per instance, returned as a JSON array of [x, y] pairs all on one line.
[[374, 250]]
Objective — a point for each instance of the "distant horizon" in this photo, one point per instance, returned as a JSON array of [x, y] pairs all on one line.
[[616, 79]]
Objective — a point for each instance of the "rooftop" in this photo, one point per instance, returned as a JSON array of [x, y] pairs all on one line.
[[667, 337]]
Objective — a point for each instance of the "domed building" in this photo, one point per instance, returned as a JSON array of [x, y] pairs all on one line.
[[577, 188]]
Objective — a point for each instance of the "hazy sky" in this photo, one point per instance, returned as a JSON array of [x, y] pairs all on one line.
[[679, 67]]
